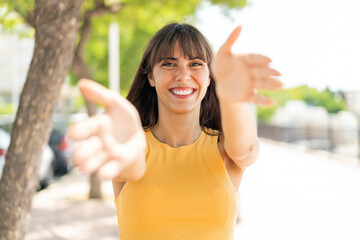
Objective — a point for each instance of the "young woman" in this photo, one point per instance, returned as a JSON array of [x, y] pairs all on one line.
[[177, 148]]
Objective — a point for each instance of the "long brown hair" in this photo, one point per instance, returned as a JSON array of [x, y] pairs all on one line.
[[193, 44]]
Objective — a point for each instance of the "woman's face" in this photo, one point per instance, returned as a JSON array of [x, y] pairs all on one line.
[[180, 82]]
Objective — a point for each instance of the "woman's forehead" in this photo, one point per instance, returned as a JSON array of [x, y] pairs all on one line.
[[178, 50]]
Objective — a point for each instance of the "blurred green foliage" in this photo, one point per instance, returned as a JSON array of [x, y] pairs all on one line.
[[331, 101], [78, 104], [6, 108], [12, 17]]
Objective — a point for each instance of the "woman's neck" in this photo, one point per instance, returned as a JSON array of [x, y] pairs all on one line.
[[177, 129]]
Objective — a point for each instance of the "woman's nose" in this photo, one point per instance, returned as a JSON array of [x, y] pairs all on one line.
[[183, 74]]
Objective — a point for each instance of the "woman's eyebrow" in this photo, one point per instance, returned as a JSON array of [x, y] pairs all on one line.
[[176, 59], [170, 58], [193, 58]]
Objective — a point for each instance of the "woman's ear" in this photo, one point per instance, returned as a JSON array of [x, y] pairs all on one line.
[[151, 80]]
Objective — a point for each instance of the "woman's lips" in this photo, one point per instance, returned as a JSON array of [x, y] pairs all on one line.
[[182, 92]]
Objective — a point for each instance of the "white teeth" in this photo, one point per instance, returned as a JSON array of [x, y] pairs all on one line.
[[182, 92]]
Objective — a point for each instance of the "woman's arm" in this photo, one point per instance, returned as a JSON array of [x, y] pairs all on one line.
[[237, 77], [240, 134], [112, 143]]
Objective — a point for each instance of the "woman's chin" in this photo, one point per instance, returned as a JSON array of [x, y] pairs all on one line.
[[184, 109]]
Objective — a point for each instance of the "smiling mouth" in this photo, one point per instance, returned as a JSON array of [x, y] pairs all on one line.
[[182, 92]]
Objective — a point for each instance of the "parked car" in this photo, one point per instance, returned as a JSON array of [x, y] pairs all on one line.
[[47, 164], [57, 141], [4, 143], [60, 145]]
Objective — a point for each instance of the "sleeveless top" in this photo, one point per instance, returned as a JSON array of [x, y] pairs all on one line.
[[185, 193]]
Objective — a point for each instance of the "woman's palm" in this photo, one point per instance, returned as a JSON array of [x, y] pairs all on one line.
[[112, 141]]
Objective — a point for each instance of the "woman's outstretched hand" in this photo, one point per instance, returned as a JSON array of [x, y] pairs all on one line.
[[112, 143], [238, 76]]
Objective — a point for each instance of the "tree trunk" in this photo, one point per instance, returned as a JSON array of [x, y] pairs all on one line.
[[56, 25]]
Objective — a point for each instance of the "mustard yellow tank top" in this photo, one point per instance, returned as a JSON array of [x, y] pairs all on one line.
[[185, 193]]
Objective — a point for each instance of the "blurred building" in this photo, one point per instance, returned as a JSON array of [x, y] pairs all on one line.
[[15, 60], [352, 99], [314, 128]]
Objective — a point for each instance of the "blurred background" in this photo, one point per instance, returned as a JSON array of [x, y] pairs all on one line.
[[314, 122]]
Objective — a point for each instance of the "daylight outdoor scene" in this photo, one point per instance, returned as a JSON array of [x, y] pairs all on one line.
[[305, 182]]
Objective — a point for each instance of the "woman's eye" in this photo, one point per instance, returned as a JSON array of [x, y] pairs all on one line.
[[167, 64], [197, 64]]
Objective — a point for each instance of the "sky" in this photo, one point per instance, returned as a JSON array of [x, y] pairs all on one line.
[[313, 42]]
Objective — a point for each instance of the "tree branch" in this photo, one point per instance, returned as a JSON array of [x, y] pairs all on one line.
[[85, 30], [101, 10], [99, 3], [84, 36], [28, 17]]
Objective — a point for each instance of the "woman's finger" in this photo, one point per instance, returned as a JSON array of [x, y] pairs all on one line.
[[227, 46], [268, 83], [256, 59], [86, 150], [111, 169], [261, 100], [96, 93], [88, 127], [263, 72], [122, 155], [94, 162]]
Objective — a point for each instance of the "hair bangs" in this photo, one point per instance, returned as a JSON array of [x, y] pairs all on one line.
[[192, 44], [192, 47], [164, 49]]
